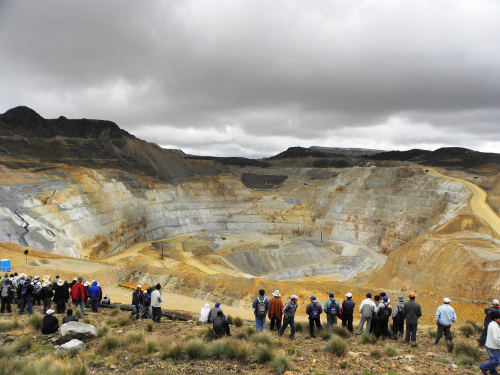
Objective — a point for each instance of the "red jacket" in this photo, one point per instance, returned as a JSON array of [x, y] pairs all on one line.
[[78, 292]]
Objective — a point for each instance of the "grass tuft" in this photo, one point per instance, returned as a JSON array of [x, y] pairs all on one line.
[[151, 346], [450, 346], [341, 331], [114, 312], [238, 322], [468, 349], [263, 338], [368, 339], [219, 349], [209, 334], [107, 344], [102, 330], [432, 333], [468, 329], [390, 350], [174, 351], [326, 336], [337, 346], [195, 349], [264, 353], [9, 325], [250, 331], [150, 326], [243, 350], [133, 337], [280, 364], [376, 353], [36, 321]]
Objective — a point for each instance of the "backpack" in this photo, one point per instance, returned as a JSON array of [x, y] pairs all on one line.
[[146, 300], [384, 312], [401, 312], [333, 308], [5, 291], [261, 307], [315, 310], [24, 288]]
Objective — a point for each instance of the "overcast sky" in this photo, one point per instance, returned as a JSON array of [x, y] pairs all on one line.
[[252, 78]]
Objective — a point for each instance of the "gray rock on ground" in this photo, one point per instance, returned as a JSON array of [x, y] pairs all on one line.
[[71, 346], [76, 330]]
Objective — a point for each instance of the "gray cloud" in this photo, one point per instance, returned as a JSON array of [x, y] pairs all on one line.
[[261, 75]]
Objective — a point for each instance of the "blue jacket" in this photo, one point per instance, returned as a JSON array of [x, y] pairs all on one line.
[[445, 315], [94, 290], [256, 303]]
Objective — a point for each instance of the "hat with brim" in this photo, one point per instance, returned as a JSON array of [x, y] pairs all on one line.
[[86, 283], [60, 282], [22, 276], [401, 299], [45, 283], [49, 311], [276, 293], [46, 278]]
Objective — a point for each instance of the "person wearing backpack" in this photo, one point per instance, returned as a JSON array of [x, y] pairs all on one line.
[[260, 307], [332, 311], [366, 310], [25, 290], [348, 312], [146, 305], [5, 294], [398, 319], [15, 283], [95, 293], [383, 315], [37, 291], [47, 294], [314, 311]]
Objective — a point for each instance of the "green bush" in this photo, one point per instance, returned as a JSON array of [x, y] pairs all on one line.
[[151, 346], [299, 327], [467, 349], [150, 326], [8, 325], [219, 349], [341, 331], [243, 350], [108, 343], [238, 322], [337, 346], [368, 339], [263, 338], [376, 353], [390, 350], [413, 344], [478, 327], [464, 360], [468, 330], [209, 334], [326, 336], [195, 349], [264, 353], [450, 346], [280, 364], [174, 351], [133, 337], [18, 347], [78, 313], [36, 321], [114, 312], [432, 333], [102, 330], [250, 331]]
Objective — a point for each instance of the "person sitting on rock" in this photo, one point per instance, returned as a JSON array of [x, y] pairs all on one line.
[[221, 326], [205, 311], [213, 312], [50, 324], [70, 318]]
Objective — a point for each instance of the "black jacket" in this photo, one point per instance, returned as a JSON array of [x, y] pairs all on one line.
[[488, 311], [61, 292], [219, 323], [29, 289], [50, 324], [70, 318], [413, 311], [348, 307]]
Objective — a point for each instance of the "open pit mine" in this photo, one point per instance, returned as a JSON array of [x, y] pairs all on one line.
[[305, 220]]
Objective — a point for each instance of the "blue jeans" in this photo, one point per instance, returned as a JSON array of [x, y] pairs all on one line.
[[82, 306], [411, 329], [260, 323], [26, 301], [493, 363]]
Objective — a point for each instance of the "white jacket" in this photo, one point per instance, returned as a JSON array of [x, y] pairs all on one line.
[[204, 313], [156, 298], [493, 338]]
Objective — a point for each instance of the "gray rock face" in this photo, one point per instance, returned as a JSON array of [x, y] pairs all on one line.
[[71, 346], [76, 330]]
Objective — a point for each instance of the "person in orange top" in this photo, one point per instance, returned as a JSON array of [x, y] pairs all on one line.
[[275, 312]]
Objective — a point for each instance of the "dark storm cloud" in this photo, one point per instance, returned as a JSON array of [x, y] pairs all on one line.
[[255, 77]]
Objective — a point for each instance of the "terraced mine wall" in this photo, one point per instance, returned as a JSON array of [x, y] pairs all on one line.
[[95, 213]]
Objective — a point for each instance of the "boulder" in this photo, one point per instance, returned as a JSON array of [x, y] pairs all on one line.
[[76, 330], [71, 346]]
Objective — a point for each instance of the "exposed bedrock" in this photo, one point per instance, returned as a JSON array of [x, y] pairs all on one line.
[[98, 212]]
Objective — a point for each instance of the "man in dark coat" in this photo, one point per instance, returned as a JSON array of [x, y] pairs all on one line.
[[348, 312], [413, 311], [50, 324], [221, 326], [314, 310], [25, 290], [61, 295], [487, 320], [137, 297], [70, 318]]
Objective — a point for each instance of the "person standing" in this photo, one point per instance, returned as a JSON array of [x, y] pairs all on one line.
[[314, 311], [332, 311], [289, 317], [492, 345], [384, 313], [25, 290], [348, 312], [95, 293], [445, 317], [156, 300], [37, 292], [398, 319], [61, 295], [413, 312], [78, 295], [137, 296], [487, 319], [260, 307], [6, 291], [366, 310], [275, 312], [47, 294], [147, 311]]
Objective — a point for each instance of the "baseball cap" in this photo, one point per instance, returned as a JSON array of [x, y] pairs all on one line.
[[495, 302], [412, 295], [294, 297], [446, 300], [217, 304], [312, 297], [349, 295], [49, 311], [332, 295], [368, 295]]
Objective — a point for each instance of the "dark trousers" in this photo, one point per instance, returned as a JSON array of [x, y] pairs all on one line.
[[26, 303], [316, 321], [46, 305], [225, 329], [61, 308], [382, 328], [411, 330], [95, 304], [398, 328], [37, 300], [446, 330], [156, 314], [373, 324], [482, 339], [136, 310], [330, 320], [274, 319], [5, 302], [347, 321], [286, 322]]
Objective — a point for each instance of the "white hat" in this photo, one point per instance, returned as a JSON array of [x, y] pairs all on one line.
[[348, 295], [49, 311], [495, 302], [139, 286], [276, 293], [447, 300], [294, 297], [37, 277]]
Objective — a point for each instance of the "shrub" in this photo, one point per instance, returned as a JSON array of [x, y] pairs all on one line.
[[149, 326], [102, 330], [341, 331], [133, 337], [241, 335], [151, 346], [174, 351], [243, 350], [250, 331], [326, 336], [280, 364], [468, 349], [468, 329], [124, 320], [9, 325], [36, 321], [337, 346], [299, 327], [368, 339], [450, 346], [219, 349], [78, 313], [376, 353], [264, 354], [17, 347], [195, 349], [413, 344], [478, 327], [263, 338], [464, 360], [343, 365], [390, 350], [229, 319], [114, 312], [209, 334], [432, 333], [108, 343], [238, 322]]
